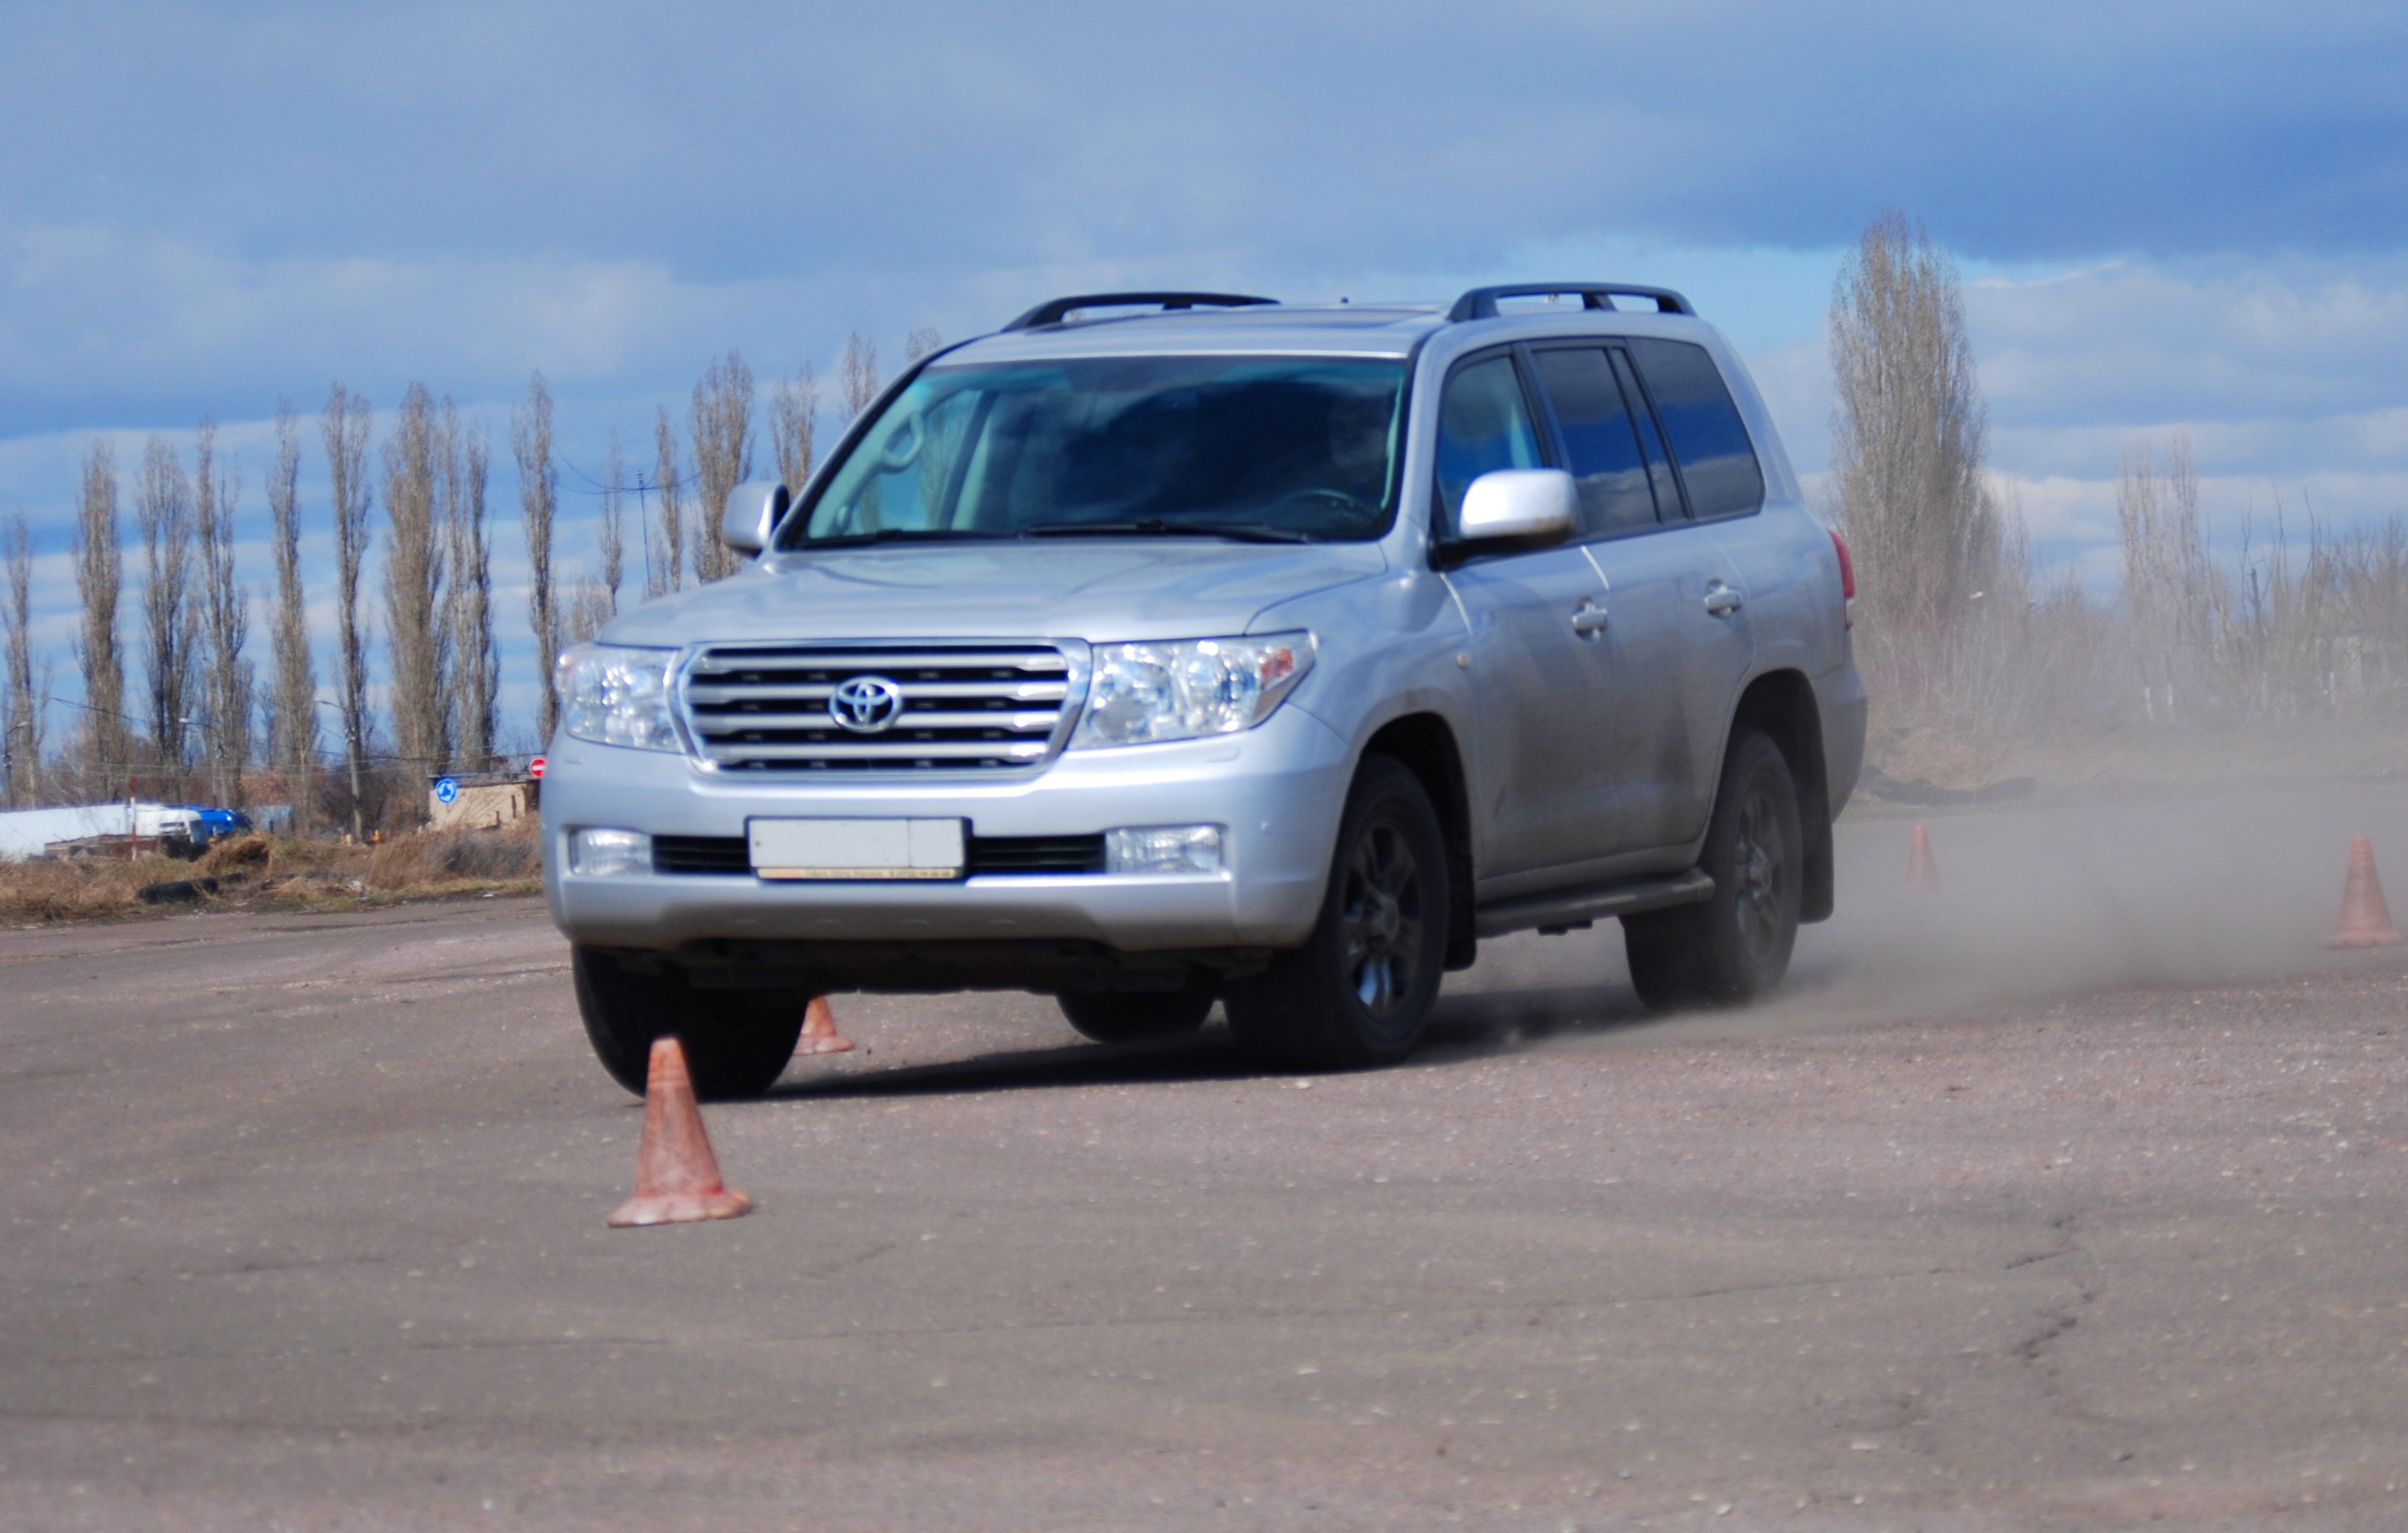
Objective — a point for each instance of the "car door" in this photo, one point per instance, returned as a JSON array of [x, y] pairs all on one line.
[[1669, 598], [1775, 558], [1547, 690]]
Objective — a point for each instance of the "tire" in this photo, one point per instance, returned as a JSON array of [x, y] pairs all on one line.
[[737, 1041], [1359, 991], [1733, 947], [1108, 1018]]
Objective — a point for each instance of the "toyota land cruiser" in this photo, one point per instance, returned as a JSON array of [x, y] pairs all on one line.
[[1166, 648]]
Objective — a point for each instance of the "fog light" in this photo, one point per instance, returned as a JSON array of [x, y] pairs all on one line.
[[610, 853], [1163, 848]]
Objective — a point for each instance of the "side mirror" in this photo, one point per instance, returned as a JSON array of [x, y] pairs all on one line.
[[752, 514], [1519, 504]]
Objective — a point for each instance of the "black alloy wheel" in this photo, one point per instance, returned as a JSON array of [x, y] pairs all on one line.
[[1734, 947], [1358, 993]]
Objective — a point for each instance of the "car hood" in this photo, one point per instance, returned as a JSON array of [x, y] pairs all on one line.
[[1099, 591]]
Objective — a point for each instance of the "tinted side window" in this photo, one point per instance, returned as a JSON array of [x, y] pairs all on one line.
[[1484, 423], [1598, 439], [1659, 464], [1717, 461]]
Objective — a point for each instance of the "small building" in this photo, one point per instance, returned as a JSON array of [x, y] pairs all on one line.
[[479, 800]]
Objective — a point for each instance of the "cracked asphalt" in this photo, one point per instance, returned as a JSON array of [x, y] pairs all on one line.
[[2071, 1199]]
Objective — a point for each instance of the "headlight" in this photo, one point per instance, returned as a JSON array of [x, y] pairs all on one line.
[[1188, 688], [614, 695]]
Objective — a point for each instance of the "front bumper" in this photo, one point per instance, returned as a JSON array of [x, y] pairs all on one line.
[[1277, 790]]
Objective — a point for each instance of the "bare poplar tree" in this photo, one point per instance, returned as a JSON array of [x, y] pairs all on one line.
[[587, 609], [1909, 426], [292, 712], [666, 549], [611, 531], [225, 625], [346, 430], [468, 598], [2171, 596], [162, 515], [794, 427], [595, 599], [922, 341], [21, 723], [99, 584], [722, 458], [413, 588], [538, 501], [856, 375]]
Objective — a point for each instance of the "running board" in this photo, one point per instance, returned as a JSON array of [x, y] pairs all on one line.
[[1565, 910]]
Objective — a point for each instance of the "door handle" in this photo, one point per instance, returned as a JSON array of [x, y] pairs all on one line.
[[1721, 600], [1589, 619]]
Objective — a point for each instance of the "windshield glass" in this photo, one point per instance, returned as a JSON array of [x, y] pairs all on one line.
[[1279, 448]]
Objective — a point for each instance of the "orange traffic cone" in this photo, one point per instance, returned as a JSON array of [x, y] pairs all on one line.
[[1922, 873], [2365, 920], [819, 1030], [677, 1177]]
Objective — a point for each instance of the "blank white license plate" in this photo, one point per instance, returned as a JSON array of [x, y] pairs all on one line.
[[856, 849]]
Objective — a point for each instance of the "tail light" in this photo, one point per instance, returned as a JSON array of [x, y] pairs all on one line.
[[1847, 580]]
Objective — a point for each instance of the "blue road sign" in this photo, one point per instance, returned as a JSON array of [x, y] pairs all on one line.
[[446, 789]]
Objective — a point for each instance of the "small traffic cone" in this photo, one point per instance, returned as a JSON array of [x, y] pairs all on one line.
[[677, 1177], [1922, 873], [819, 1030], [2365, 918]]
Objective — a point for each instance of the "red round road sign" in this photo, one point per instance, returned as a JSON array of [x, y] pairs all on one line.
[[535, 768]]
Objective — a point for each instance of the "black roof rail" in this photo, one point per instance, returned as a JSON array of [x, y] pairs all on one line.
[[1054, 311], [1481, 302]]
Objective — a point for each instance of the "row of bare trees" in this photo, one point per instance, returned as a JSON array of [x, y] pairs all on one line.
[[1957, 632], [189, 730]]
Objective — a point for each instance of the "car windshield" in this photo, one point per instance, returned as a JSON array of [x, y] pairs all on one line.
[[1277, 449]]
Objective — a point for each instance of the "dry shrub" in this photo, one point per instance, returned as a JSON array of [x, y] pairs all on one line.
[[439, 860], [77, 888], [260, 868], [250, 854]]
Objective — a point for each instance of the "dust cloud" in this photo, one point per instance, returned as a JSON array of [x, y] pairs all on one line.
[[2039, 899]]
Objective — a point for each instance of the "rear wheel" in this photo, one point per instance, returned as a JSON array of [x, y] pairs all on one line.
[[737, 1041], [1110, 1018], [1360, 989], [1734, 947]]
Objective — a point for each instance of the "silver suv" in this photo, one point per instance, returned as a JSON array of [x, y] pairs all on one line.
[[1163, 648]]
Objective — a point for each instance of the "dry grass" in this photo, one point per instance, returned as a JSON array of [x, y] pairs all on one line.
[[256, 871]]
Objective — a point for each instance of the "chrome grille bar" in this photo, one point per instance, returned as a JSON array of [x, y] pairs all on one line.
[[973, 707]]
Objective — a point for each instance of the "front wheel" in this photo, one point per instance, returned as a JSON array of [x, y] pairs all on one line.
[[1734, 947], [737, 1041], [1108, 1018], [1360, 989]]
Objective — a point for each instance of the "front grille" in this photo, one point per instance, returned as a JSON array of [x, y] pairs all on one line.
[[990, 856], [764, 708]]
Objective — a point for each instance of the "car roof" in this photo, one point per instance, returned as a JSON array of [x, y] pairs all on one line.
[[1383, 330], [1341, 329]]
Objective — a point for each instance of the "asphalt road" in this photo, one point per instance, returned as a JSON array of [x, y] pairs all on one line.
[[2071, 1197]]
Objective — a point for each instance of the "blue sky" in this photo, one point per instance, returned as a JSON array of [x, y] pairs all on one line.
[[2191, 216]]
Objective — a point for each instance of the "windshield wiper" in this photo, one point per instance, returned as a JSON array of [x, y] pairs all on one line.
[[1155, 526], [894, 534]]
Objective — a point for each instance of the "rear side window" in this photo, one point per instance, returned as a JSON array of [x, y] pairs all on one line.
[[1484, 423], [1709, 441], [1600, 441]]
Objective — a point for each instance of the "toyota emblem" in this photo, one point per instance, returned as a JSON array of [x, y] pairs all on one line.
[[865, 704]]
